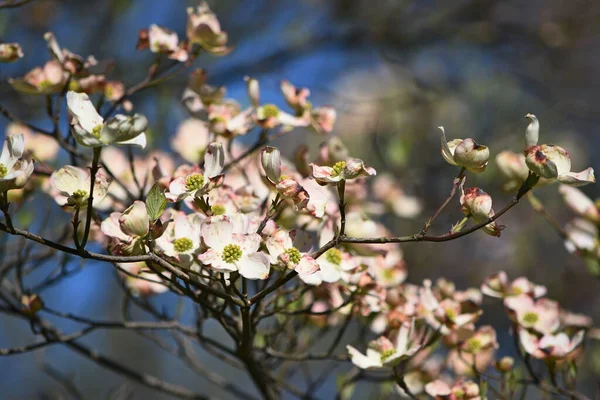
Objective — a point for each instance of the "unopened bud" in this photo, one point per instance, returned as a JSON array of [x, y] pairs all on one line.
[[505, 364], [253, 89], [134, 221], [270, 158], [10, 52], [32, 304]]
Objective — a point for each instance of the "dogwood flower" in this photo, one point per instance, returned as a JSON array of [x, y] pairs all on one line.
[[465, 153], [14, 170], [333, 264], [283, 250], [513, 167], [269, 116], [229, 252], [550, 161], [322, 119], [204, 28], [478, 204], [582, 235], [10, 52], [73, 184], [48, 79], [549, 346], [541, 315], [382, 353], [342, 170], [181, 240], [498, 285], [162, 40], [197, 184], [296, 98], [128, 229], [90, 129], [577, 201]]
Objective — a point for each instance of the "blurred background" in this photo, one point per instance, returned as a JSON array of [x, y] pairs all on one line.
[[394, 70]]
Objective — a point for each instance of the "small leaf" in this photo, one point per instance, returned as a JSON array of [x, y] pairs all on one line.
[[156, 202]]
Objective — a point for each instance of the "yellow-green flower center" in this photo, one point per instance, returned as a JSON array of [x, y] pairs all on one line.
[[80, 194], [45, 84], [450, 313], [232, 253], [530, 317], [474, 345], [270, 111], [294, 254], [182, 245], [194, 182], [334, 256], [96, 131], [338, 167], [387, 354], [218, 209], [3, 170]]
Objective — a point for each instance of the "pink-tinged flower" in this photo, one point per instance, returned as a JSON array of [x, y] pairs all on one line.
[[181, 239], [147, 283], [387, 190], [49, 79], [342, 170], [477, 349], [203, 28], [90, 129], [333, 265], [163, 41], [513, 167], [382, 353], [438, 389], [296, 98], [549, 346], [195, 184], [553, 163], [191, 140], [388, 270], [270, 116], [127, 230], [541, 315], [75, 64], [550, 161], [290, 189], [322, 119], [39, 147], [10, 52], [319, 197], [582, 205], [253, 91], [465, 153], [14, 169], [285, 250], [444, 315], [229, 252], [498, 285], [478, 204], [582, 236], [228, 120], [73, 183]]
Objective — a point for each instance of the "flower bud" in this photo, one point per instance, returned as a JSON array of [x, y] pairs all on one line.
[[295, 97], [32, 304], [10, 52], [253, 89], [505, 364], [577, 201], [465, 153], [356, 168], [512, 165], [214, 160], [134, 221], [290, 189], [478, 204], [270, 159]]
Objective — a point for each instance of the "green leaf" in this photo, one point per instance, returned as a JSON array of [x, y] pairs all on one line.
[[156, 202]]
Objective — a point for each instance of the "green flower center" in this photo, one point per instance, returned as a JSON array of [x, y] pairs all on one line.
[[294, 254], [232, 253], [334, 256], [338, 167], [270, 111], [218, 209], [530, 317], [96, 131], [387, 354], [474, 345], [182, 245], [45, 84], [79, 194], [3, 170], [194, 182], [450, 313]]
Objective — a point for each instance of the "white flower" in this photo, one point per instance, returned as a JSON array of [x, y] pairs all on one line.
[[90, 129], [283, 250], [382, 353], [74, 184], [230, 252], [465, 153], [14, 170], [181, 240]]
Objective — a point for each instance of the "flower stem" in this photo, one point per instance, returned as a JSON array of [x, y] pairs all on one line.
[[90, 208]]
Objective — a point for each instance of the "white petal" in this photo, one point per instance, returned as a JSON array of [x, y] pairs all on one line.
[[81, 106], [139, 140], [255, 266], [69, 179], [578, 178], [217, 232], [361, 360]]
